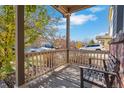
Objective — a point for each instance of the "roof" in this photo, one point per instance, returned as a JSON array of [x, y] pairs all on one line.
[[68, 9], [106, 36]]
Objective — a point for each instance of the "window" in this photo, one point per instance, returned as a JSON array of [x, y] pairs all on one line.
[[92, 45], [118, 19]]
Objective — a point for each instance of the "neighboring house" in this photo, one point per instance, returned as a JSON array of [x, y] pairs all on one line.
[[60, 43], [116, 19], [72, 45], [39, 42], [104, 40]]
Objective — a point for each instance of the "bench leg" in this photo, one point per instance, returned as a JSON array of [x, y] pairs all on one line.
[[81, 78], [106, 76]]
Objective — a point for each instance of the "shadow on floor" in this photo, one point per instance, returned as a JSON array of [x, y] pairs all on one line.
[[66, 78]]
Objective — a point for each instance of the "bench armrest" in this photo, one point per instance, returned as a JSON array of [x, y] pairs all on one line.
[[97, 70]]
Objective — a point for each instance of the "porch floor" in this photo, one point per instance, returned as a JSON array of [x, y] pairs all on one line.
[[67, 77]]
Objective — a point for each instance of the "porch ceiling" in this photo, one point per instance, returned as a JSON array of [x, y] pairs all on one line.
[[68, 9]]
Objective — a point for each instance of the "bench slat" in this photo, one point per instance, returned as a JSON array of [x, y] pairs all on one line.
[[101, 75]]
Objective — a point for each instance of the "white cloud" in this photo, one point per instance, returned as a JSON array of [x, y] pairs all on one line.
[[96, 9], [60, 27], [82, 19], [77, 20]]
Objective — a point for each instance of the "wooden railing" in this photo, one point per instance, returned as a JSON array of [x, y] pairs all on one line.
[[88, 57], [40, 63]]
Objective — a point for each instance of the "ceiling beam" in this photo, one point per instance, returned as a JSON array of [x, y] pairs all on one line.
[[78, 8], [68, 9], [61, 9]]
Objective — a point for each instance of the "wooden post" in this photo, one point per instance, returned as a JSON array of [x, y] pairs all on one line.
[[19, 45], [68, 35], [81, 78]]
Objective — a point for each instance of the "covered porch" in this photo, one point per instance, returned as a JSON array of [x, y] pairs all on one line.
[[50, 69], [58, 68]]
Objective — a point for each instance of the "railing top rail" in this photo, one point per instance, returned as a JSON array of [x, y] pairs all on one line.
[[74, 50], [43, 52], [91, 51]]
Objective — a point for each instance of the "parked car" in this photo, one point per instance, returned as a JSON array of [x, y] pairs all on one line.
[[40, 49], [96, 47], [47, 47], [34, 49]]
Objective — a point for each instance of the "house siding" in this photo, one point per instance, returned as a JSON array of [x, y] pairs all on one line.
[[117, 44], [118, 51]]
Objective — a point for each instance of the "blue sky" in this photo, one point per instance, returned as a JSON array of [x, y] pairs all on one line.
[[85, 24]]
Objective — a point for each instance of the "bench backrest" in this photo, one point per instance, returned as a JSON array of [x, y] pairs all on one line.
[[112, 64]]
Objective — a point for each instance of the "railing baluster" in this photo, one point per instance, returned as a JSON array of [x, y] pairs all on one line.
[[83, 59], [36, 56], [97, 59], [48, 62], [40, 63], [101, 61], [53, 56], [27, 68], [43, 62], [84, 62], [50, 59], [33, 66], [80, 56], [47, 56]]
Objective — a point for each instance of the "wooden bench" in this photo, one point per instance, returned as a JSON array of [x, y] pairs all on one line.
[[104, 77]]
